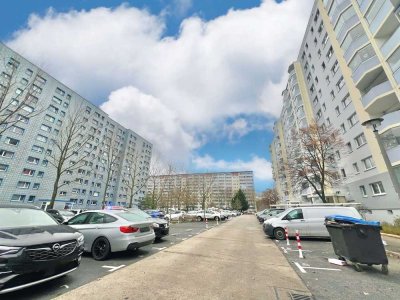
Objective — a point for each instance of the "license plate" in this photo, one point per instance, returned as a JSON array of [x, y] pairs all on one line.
[[145, 229]]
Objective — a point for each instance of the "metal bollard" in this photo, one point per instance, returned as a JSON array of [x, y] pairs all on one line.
[[287, 236], [299, 245]]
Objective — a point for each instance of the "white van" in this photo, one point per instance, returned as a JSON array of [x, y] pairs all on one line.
[[309, 221]]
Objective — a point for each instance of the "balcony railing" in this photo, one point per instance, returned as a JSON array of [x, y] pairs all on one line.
[[397, 76], [375, 92], [384, 11], [365, 5], [391, 43], [354, 46], [394, 154], [389, 120], [338, 11], [350, 23], [364, 67]]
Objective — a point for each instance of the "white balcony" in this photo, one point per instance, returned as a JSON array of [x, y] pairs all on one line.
[[389, 121], [379, 22], [380, 99], [354, 46], [391, 44], [365, 5], [366, 71], [338, 10], [394, 155], [350, 23]]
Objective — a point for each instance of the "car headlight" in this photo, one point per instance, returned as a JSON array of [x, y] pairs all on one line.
[[81, 240], [4, 250], [156, 225]]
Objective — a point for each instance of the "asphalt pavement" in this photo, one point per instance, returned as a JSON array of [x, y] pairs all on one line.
[[91, 269]]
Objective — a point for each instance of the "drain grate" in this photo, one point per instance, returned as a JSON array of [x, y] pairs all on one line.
[[295, 296]]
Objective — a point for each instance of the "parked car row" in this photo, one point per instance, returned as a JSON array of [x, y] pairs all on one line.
[[309, 221], [38, 246]]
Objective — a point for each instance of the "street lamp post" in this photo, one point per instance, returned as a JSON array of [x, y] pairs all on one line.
[[374, 123]]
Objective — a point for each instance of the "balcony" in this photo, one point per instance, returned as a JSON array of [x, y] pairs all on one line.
[[397, 76], [390, 120], [379, 22], [338, 10], [365, 5], [380, 99], [391, 44], [354, 46], [365, 69], [350, 23], [394, 155]]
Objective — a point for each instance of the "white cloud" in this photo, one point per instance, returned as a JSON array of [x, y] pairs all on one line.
[[189, 84], [241, 127], [181, 7], [261, 167]]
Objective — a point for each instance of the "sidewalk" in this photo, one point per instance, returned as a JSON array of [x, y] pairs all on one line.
[[232, 261], [393, 245]]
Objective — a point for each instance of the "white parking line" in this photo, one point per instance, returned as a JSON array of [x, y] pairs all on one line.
[[160, 249], [113, 268], [284, 250], [66, 286], [302, 268], [189, 229]]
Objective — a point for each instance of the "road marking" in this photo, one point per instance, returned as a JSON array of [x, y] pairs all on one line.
[[113, 268], [189, 229], [297, 250], [190, 235], [66, 286], [327, 269], [284, 250], [172, 243], [300, 267], [160, 249]]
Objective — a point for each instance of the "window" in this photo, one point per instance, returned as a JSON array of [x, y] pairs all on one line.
[[28, 172], [353, 120], [324, 106], [31, 198], [17, 130], [59, 123], [337, 110], [315, 101], [57, 100], [23, 119], [23, 185], [360, 140], [49, 118], [3, 168], [62, 193], [40, 174], [340, 83], [17, 197], [361, 55], [53, 109], [327, 79], [319, 53], [45, 128], [45, 162], [377, 188], [368, 163], [11, 141], [6, 154], [18, 91], [346, 101], [355, 168], [28, 108], [36, 186], [328, 121], [319, 114], [363, 191], [349, 147], [60, 91], [29, 72], [41, 138], [316, 79], [343, 173], [337, 154], [343, 128], [320, 93], [323, 66], [325, 40], [332, 93], [33, 160], [296, 214], [79, 219], [37, 148], [24, 81], [36, 89], [329, 53], [315, 41]]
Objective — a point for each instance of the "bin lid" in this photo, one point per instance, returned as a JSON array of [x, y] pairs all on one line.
[[351, 220]]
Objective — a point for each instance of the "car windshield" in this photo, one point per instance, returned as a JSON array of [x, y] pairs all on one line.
[[67, 213], [140, 213], [20, 217], [131, 217]]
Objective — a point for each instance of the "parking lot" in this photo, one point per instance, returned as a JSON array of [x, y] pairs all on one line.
[[329, 281], [91, 269]]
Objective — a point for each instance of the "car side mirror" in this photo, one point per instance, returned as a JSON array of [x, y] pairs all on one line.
[[65, 223]]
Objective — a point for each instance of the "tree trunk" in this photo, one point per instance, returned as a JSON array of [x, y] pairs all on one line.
[[55, 190]]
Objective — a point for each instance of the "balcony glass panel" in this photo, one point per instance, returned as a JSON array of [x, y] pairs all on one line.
[[354, 46], [394, 154], [391, 43], [375, 92], [349, 24], [365, 67], [390, 120], [385, 7]]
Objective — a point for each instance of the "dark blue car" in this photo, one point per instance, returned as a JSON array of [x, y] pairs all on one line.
[[155, 213]]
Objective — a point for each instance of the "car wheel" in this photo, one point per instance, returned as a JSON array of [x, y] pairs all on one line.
[[101, 248], [216, 218], [279, 233], [199, 218]]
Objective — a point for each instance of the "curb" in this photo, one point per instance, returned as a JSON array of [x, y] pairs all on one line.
[[393, 254], [391, 235]]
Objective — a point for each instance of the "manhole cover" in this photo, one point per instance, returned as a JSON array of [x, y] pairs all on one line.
[[295, 296]]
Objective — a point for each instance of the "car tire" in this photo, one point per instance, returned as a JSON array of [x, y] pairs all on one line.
[[101, 248], [199, 219], [279, 233], [216, 218]]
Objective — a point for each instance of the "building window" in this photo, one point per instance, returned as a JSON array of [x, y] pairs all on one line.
[[328, 121], [60, 91], [325, 40], [28, 172], [323, 66], [31, 199], [327, 79], [340, 83], [23, 185], [349, 147], [335, 67], [368, 163], [41, 138], [53, 109], [346, 101], [36, 186], [11, 141], [57, 100], [17, 130], [332, 93], [337, 110], [360, 140], [3, 168], [315, 101], [353, 120], [377, 188], [355, 168], [45, 128], [329, 53], [18, 197], [49, 118], [6, 154], [38, 149], [343, 173], [337, 154], [33, 160], [343, 128], [363, 191], [40, 174], [29, 72], [319, 114]]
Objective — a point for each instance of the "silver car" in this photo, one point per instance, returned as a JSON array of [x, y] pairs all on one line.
[[112, 231]]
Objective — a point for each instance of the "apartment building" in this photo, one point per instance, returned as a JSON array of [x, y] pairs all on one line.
[[26, 172], [349, 63], [217, 188]]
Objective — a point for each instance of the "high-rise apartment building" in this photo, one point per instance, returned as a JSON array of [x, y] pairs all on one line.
[[36, 111], [348, 72], [217, 189]]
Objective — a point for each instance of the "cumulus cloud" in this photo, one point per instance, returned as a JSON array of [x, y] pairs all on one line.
[[261, 167], [188, 84], [242, 126]]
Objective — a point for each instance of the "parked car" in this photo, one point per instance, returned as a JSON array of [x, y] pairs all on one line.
[[160, 226], [155, 213], [308, 220], [61, 215], [209, 215], [261, 212], [77, 211], [34, 248], [270, 213], [177, 215], [112, 231]]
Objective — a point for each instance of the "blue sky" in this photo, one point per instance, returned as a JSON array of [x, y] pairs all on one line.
[[206, 75]]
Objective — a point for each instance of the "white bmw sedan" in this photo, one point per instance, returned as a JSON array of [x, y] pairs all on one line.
[[112, 231]]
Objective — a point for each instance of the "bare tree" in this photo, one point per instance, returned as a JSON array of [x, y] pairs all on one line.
[[110, 154], [311, 160], [188, 198], [205, 183], [268, 197], [70, 148], [18, 96]]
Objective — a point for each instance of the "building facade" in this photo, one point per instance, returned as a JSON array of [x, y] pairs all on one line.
[[215, 189], [36, 115], [349, 64]]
